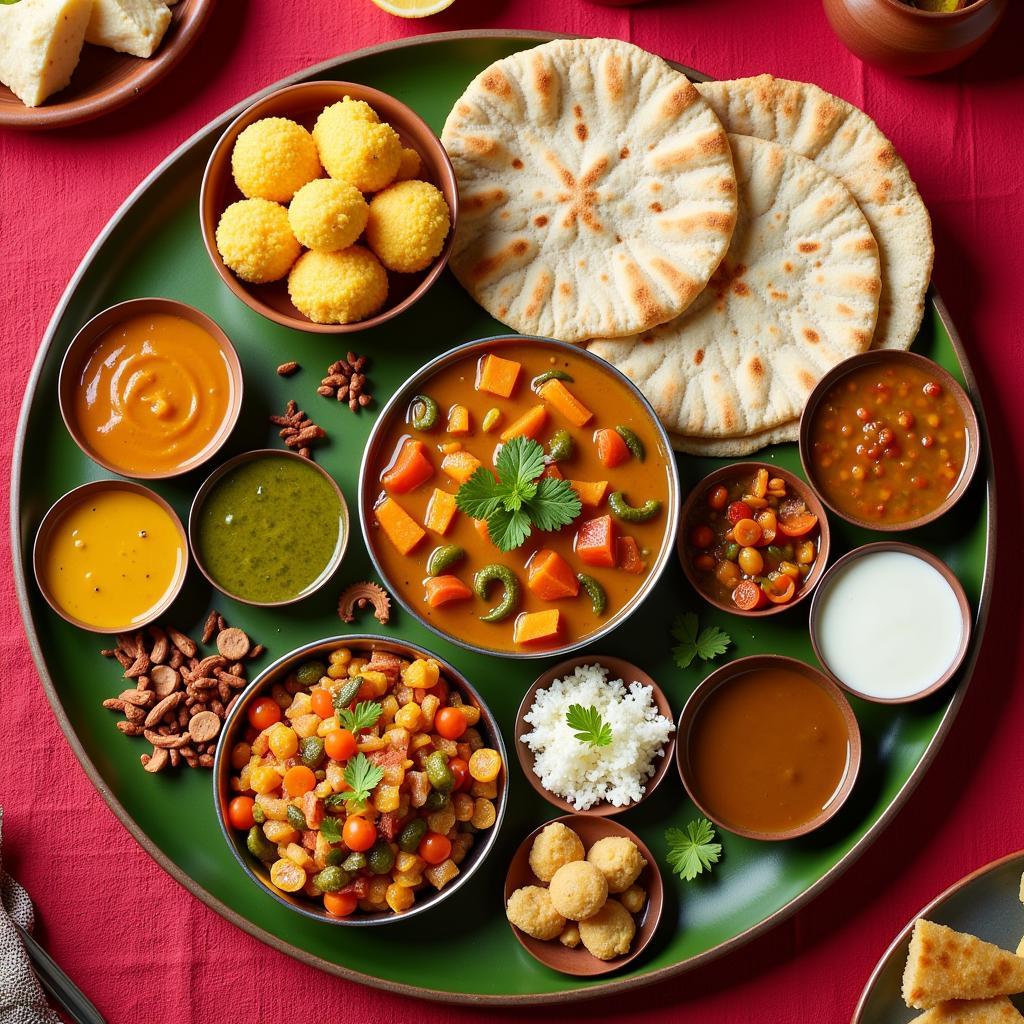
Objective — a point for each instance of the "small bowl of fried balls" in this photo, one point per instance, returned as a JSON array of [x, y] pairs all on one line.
[[583, 895], [329, 207]]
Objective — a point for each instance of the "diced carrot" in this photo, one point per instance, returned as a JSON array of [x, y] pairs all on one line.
[[458, 420], [595, 542], [497, 375], [530, 424], [748, 596], [611, 449], [551, 577], [629, 559], [799, 525], [591, 493], [445, 589], [551, 470], [557, 394], [401, 529], [460, 466], [440, 511], [480, 525], [538, 627], [412, 468]]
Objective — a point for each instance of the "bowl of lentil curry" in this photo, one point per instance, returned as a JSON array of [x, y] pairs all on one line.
[[570, 428], [889, 440], [353, 821]]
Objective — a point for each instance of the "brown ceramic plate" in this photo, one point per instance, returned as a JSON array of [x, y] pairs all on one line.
[[947, 574], [105, 80], [83, 344], [234, 729], [880, 357], [52, 517], [753, 664], [227, 467], [303, 103], [617, 669], [747, 469], [578, 961]]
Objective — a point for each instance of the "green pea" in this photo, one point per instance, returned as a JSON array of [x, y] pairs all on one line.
[[310, 673], [258, 814], [259, 845], [312, 751], [633, 443], [381, 858], [443, 558], [354, 862], [732, 552], [508, 604], [594, 590], [410, 836], [331, 879], [561, 445], [296, 819], [622, 509], [436, 800], [423, 412], [438, 772], [336, 858], [542, 378]]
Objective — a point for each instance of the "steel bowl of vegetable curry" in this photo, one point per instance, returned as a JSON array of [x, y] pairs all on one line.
[[519, 495]]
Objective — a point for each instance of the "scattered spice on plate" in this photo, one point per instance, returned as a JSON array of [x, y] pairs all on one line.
[[346, 382], [287, 369], [359, 596], [298, 431], [180, 699]]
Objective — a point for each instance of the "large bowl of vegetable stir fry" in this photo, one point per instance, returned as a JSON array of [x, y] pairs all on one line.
[[360, 780]]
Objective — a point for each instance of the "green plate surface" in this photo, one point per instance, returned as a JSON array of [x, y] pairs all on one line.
[[984, 903], [153, 247]]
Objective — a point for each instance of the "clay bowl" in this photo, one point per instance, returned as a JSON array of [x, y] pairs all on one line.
[[881, 357], [85, 340], [897, 37], [303, 103], [739, 667], [579, 961], [617, 669], [210, 482], [947, 574], [235, 728], [52, 518], [726, 475]]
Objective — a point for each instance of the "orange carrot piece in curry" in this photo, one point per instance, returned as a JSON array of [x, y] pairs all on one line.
[[551, 577], [595, 542], [590, 492], [629, 559], [440, 511], [611, 449], [412, 468], [556, 394], [551, 470], [538, 627], [497, 376], [460, 466], [400, 528], [458, 420], [530, 424], [445, 589]]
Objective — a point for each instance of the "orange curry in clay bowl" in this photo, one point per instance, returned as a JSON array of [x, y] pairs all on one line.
[[519, 496]]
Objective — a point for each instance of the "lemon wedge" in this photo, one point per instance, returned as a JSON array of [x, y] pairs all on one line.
[[413, 8]]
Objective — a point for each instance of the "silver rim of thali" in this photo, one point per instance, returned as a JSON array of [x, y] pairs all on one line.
[[403, 396], [208, 135]]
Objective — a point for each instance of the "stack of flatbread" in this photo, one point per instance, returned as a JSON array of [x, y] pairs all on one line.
[[722, 244]]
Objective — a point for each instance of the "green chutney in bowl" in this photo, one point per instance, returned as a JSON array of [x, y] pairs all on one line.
[[268, 527]]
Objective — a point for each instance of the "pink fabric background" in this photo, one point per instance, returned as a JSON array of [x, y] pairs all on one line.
[[140, 945]]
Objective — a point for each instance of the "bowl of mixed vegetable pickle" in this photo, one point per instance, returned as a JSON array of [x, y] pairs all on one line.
[[360, 780]]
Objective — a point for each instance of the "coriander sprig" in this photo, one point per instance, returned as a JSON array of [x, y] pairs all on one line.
[[361, 775], [692, 852], [364, 716], [519, 498], [707, 645], [589, 726], [330, 829]]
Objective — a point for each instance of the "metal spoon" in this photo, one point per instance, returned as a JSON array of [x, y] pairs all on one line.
[[57, 985]]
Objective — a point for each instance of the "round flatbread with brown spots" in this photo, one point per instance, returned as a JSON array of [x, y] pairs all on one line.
[[734, 447], [796, 293], [844, 141], [597, 192]]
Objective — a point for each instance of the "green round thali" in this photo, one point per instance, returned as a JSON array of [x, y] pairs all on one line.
[[153, 246]]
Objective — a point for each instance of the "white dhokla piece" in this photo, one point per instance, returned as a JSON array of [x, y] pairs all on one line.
[[128, 26]]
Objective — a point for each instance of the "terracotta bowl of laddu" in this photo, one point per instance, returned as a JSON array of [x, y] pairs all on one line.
[[897, 37], [303, 103], [579, 961], [949, 383], [726, 475], [617, 669], [70, 379], [944, 571]]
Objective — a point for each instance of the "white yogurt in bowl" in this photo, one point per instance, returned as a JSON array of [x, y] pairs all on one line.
[[888, 624]]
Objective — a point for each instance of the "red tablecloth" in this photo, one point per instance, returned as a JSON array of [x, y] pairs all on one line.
[[138, 943]]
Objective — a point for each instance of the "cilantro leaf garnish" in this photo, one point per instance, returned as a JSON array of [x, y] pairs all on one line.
[[330, 830], [517, 500], [707, 645], [588, 725], [364, 716], [694, 851], [362, 775]]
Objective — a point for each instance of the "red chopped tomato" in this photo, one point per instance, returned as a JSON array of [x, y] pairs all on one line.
[[739, 510]]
